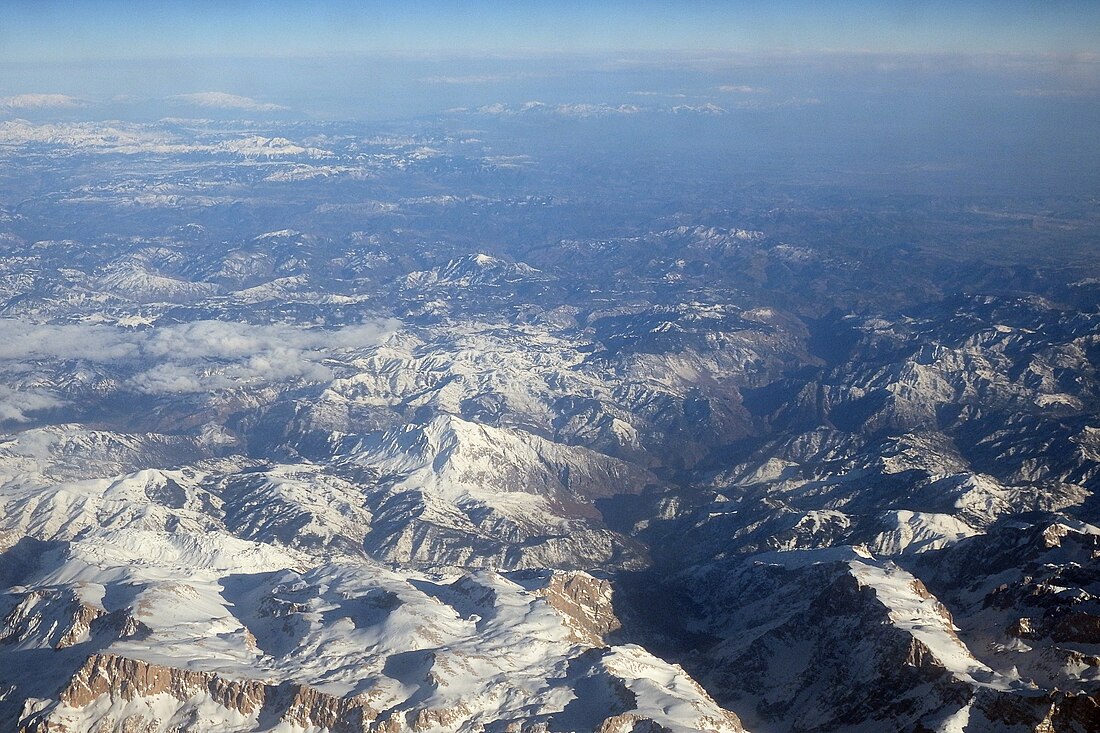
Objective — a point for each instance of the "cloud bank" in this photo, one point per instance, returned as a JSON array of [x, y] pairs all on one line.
[[194, 357], [40, 101], [586, 110], [15, 404], [222, 100]]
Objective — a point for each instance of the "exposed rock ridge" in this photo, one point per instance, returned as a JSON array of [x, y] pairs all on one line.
[[585, 603], [128, 679]]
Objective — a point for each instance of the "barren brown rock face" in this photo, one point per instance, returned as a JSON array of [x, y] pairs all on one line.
[[586, 604], [67, 621], [108, 676]]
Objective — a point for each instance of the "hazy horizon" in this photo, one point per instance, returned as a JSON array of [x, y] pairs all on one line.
[[115, 29], [338, 59]]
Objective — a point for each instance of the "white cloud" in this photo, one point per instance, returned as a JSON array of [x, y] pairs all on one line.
[[587, 110], [222, 100], [205, 355], [741, 89], [583, 109], [1063, 93], [189, 357], [40, 101], [177, 379], [659, 94], [23, 340], [479, 78], [16, 403]]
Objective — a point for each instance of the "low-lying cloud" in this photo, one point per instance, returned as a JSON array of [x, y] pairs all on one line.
[[741, 89], [40, 101], [15, 404], [481, 78], [222, 100], [200, 356], [586, 110]]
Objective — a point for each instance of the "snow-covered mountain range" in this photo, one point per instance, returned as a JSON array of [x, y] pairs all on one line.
[[307, 427]]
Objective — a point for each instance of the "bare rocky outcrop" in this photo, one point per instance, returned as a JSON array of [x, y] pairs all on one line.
[[60, 618], [428, 718], [128, 679], [1043, 712], [630, 723], [585, 602], [311, 708], [107, 674]]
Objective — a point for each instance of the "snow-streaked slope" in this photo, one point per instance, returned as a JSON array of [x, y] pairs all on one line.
[[827, 640], [459, 493], [248, 646]]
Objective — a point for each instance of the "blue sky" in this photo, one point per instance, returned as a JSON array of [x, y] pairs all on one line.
[[48, 30]]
